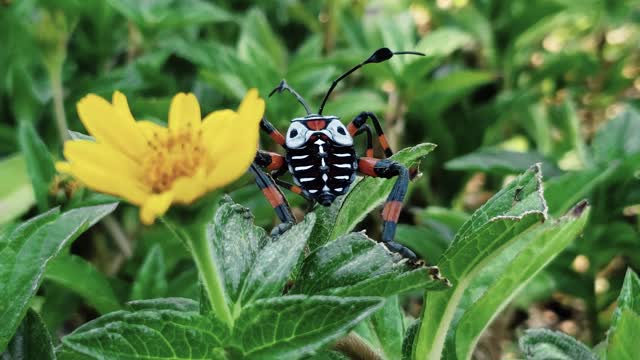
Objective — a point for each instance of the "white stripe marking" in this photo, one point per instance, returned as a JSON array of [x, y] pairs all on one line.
[[342, 155], [342, 177], [338, 189], [303, 167], [344, 166], [325, 188], [312, 191], [298, 157], [325, 177], [307, 179]]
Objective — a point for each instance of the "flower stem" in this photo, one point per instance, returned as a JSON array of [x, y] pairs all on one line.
[[55, 76], [203, 255]]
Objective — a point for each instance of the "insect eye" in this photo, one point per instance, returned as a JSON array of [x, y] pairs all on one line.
[[341, 131], [293, 133]]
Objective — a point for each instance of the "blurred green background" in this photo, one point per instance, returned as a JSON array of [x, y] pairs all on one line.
[[503, 85]]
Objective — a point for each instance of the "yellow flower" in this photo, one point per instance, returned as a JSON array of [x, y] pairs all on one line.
[[152, 166]]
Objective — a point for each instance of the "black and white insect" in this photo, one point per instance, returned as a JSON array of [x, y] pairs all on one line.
[[320, 155]]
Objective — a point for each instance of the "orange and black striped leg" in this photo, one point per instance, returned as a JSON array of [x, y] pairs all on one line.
[[271, 130], [275, 197], [361, 119], [386, 168], [366, 129], [293, 188], [271, 161]]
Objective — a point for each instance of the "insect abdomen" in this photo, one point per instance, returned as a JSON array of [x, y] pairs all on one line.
[[323, 169]]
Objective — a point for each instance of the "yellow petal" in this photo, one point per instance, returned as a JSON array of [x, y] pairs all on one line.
[[84, 152], [155, 205], [107, 126], [234, 146], [63, 167], [217, 131], [98, 178], [252, 107], [150, 129], [184, 112], [186, 189], [122, 106]]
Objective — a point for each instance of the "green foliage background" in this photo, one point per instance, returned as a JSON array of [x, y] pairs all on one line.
[[503, 85]]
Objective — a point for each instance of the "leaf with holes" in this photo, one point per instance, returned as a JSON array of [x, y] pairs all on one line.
[[490, 230]]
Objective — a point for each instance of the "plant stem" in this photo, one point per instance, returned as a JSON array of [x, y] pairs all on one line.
[[55, 76], [203, 255]]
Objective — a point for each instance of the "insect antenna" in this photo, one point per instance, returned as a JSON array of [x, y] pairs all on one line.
[[380, 55], [284, 86]]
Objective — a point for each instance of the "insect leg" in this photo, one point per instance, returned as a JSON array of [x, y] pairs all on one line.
[[366, 129], [386, 168], [271, 130], [361, 119], [275, 197], [276, 164]]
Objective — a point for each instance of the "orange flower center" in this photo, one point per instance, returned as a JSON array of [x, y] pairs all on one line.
[[171, 157]]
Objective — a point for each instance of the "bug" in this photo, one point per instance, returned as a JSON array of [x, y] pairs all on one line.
[[320, 155]]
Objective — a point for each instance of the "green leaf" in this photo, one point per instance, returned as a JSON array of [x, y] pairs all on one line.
[[26, 253], [621, 338], [409, 339], [370, 192], [387, 324], [354, 265], [622, 341], [493, 289], [273, 265], [236, 243], [39, 163], [83, 278], [564, 191], [542, 344], [170, 13], [618, 138], [156, 329], [490, 230], [16, 192], [290, 327], [501, 162], [436, 96], [254, 265], [151, 281], [31, 341], [258, 44]]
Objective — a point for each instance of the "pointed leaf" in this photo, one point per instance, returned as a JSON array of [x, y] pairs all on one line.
[[39, 163], [490, 230], [26, 253], [622, 336], [494, 288], [501, 162]]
